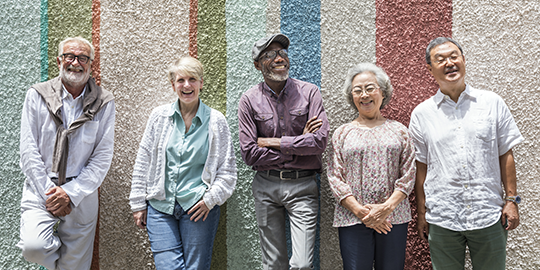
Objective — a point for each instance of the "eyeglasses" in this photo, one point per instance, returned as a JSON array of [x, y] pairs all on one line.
[[370, 88], [272, 54], [442, 60], [69, 57]]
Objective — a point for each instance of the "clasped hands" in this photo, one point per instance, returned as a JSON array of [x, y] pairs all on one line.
[[374, 216], [58, 203]]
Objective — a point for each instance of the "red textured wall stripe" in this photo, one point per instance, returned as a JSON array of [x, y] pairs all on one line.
[[96, 24], [193, 13], [404, 28], [96, 73]]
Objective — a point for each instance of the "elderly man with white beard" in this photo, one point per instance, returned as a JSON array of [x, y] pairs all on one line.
[[66, 146]]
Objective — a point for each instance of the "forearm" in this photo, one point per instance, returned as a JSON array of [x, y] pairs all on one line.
[[395, 199], [508, 173], [350, 203], [421, 172]]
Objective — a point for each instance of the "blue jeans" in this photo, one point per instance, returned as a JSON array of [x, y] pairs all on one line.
[[362, 247], [179, 243]]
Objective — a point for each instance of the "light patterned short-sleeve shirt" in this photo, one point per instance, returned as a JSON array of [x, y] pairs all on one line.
[[461, 143], [370, 164]]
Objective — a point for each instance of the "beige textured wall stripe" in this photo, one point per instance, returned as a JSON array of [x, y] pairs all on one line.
[[139, 39], [273, 17], [500, 41], [344, 42]]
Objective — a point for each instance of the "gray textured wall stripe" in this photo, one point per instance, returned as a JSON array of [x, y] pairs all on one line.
[[246, 23], [44, 40], [500, 41], [20, 57]]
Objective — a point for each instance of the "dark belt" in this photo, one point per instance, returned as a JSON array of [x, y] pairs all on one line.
[[68, 179], [289, 174]]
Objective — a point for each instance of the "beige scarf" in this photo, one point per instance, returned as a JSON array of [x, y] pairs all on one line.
[[94, 99]]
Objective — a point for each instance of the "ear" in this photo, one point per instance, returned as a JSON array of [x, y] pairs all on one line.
[[200, 90], [58, 62], [430, 69], [257, 65]]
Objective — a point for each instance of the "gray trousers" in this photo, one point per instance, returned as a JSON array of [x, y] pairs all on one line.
[[300, 199], [71, 247]]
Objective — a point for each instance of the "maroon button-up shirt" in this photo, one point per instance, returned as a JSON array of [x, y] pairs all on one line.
[[261, 113]]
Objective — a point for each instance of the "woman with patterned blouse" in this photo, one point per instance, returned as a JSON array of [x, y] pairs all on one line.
[[371, 172]]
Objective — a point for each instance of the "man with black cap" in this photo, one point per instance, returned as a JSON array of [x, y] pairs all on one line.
[[283, 132]]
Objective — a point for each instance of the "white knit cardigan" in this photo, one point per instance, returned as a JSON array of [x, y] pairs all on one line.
[[148, 180]]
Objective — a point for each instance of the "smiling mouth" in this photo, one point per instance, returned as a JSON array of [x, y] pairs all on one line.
[[279, 67], [187, 93], [454, 70]]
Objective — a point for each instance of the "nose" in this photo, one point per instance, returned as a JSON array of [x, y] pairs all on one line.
[[278, 58], [76, 60]]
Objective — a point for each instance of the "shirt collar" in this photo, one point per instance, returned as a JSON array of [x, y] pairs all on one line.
[[67, 95], [439, 96], [284, 91], [202, 112]]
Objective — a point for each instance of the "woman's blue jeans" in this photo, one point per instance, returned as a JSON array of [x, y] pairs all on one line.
[[179, 243]]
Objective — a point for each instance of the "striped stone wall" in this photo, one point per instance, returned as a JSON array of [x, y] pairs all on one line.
[[136, 40]]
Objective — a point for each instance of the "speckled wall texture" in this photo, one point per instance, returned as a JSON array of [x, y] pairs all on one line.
[[139, 39]]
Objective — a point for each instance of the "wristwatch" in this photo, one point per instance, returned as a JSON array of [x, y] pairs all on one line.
[[515, 199]]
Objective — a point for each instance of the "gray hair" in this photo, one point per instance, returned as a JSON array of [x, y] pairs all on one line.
[[78, 39], [436, 42], [382, 80]]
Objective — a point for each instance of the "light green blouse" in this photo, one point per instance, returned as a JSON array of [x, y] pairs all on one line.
[[186, 155]]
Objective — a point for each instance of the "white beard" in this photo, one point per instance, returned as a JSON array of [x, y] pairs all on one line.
[[74, 78], [273, 76]]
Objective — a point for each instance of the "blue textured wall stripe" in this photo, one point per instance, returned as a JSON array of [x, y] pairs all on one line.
[[44, 40], [301, 22], [245, 24]]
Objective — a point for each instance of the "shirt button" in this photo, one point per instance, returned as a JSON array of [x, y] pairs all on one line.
[[466, 186], [281, 118], [283, 134], [468, 206]]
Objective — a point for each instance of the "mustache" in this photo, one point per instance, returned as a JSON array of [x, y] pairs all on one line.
[[74, 68]]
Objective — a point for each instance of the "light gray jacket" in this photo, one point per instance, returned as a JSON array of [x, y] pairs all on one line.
[[148, 180]]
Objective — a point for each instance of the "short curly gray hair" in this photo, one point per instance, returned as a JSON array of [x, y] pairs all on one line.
[[382, 80]]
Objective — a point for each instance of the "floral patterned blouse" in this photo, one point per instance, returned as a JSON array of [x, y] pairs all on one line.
[[370, 164]]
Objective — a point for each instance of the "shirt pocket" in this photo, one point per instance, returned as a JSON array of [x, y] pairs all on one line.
[[89, 131], [298, 119], [265, 123], [485, 129]]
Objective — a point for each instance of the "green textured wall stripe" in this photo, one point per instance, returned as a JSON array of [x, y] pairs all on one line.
[[246, 23], [212, 52], [66, 19], [19, 68], [44, 41]]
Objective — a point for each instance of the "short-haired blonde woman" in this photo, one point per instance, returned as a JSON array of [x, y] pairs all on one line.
[[185, 169], [371, 172]]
